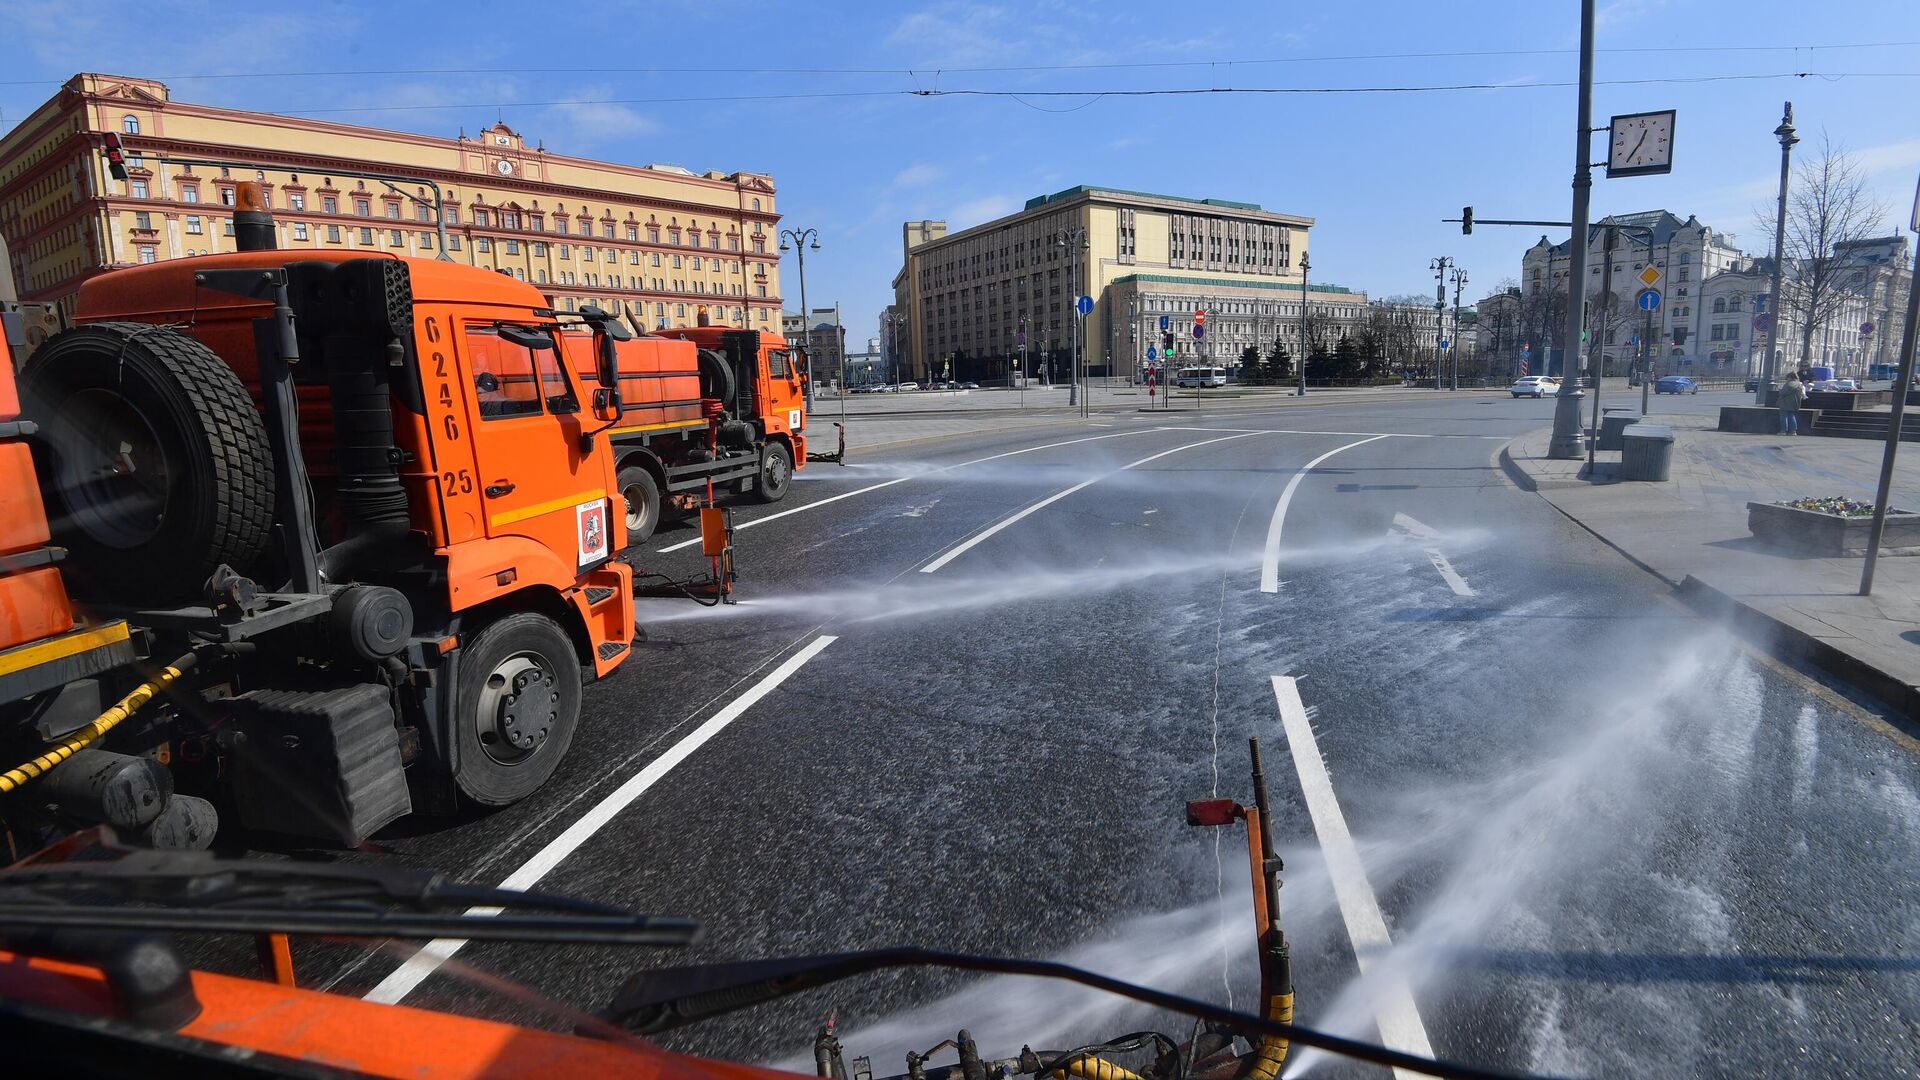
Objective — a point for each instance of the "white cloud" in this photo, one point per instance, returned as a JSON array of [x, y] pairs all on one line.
[[1901, 156], [599, 120], [1622, 13], [916, 174], [985, 208], [951, 32]]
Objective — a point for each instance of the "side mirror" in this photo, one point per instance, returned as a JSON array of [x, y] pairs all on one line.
[[606, 403], [608, 357]]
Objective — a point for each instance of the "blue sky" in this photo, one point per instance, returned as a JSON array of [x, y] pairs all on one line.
[[854, 155]]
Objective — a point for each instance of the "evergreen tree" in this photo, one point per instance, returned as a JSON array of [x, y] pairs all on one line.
[[1250, 364], [1279, 363], [1346, 358]]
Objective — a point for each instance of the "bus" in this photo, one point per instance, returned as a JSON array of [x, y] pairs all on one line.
[[1201, 376]]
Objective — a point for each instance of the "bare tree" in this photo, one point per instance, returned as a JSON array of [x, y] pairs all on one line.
[[1829, 208]]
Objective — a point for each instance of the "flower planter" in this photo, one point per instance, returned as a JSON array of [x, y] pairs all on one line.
[[1810, 532]]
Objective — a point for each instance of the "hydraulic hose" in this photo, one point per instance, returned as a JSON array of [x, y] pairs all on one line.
[[12, 779], [1088, 1067], [1271, 1054]]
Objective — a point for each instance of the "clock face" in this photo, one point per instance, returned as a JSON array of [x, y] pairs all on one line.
[[1640, 144], [503, 167]]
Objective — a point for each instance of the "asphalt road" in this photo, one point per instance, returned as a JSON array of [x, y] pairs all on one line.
[[1601, 836]]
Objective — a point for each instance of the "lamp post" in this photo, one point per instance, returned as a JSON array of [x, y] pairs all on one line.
[[1439, 267], [1459, 282], [1073, 240], [801, 240], [1568, 440], [1305, 265], [1787, 138]]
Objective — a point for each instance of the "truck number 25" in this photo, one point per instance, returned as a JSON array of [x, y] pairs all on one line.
[[460, 482]]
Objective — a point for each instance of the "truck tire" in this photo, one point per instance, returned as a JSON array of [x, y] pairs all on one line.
[[641, 494], [517, 704], [776, 473], [716, 378], [159, 467]]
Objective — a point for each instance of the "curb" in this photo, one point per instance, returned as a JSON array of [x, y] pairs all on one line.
[[1784, 639], [1520, 477]]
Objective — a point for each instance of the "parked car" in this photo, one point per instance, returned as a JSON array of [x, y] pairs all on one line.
[[1753, 383], [1535, 386], [1841, 384], [969, 386], [1676, 384]]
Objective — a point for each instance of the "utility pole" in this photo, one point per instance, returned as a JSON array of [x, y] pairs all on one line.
[[1304, 347], [1609, 236], [1568, 440], [1764, 385], [1459, 281], [1073, 240], [1439, 267], [1902, 386]]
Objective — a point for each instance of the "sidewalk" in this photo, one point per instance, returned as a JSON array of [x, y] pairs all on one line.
[[1692, 531]]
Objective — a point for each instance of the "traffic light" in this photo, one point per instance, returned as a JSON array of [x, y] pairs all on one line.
[[1760, 303], [1166, 342], [1466, 221], [116, 156]]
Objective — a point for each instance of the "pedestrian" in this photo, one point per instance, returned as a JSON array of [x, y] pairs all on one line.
[[1791, 394]]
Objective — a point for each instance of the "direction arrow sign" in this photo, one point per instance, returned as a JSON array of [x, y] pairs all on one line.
[[1084, 304], [1649, 298], [1650, 277]]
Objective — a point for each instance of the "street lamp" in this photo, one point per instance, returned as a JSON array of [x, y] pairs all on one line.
[[1459, 282], [1439, 267], [1305, 266], [1787, 138], [801, 240], [1073, 240]]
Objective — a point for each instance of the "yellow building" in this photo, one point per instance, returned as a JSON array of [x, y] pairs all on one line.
[[658, 237], [968, 298]]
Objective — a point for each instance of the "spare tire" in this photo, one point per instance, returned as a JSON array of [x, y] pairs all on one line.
[[716, 378], [157, 465]]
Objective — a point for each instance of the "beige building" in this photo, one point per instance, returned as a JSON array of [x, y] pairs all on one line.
[[999, 297], [658, 237]]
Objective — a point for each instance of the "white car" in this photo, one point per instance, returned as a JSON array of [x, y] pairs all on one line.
[[1535, 386]]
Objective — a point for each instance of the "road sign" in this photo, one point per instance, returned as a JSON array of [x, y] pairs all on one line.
[[1444, 344], [1762, 323], [1084, 304], [1166, 322], [1649, 298], [1199, 315], [1199, 330], [1152, 353], [1650, 277], [1866, 329]]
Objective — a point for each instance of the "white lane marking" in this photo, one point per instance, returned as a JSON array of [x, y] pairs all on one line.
[[900, 480], [1270, 558], [410, 974], [975, 539], [1421, 531], [1400, 1024], [1310, 431]]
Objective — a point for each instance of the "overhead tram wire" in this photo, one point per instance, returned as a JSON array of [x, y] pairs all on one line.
[[928, 69], [1831, 76]]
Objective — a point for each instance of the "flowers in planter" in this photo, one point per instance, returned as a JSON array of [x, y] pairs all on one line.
[[1833, 504]]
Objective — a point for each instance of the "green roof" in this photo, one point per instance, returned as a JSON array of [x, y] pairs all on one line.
[[1074, 192], [1312, 286]]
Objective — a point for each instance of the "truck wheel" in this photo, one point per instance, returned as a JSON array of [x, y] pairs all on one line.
[[159, 466], [776, 473], [519, 701], [641, 493]]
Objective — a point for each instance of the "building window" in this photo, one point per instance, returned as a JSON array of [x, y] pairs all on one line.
[[1733, 302], [566, 251], [677, 262], [541, 276], [633, 232], [299, 230], [148, 254], [673, 236], [426, 241], [329, 204], [559, 224], [1719, 308], [139, 188], [586, 254], [759, 245], [539, 247], [189, 193], [653, 235], [453, 215], [296, 201], [606, 229], [633, 258], [393, 211], [509, 219], [680, 309], [513, 247], [193, 224], [656, 258], [482, 217], [394, 239], [333, 234], [363, 207], [143, 220], [366, 236], [481, 243], [453, 243], [130, 125]]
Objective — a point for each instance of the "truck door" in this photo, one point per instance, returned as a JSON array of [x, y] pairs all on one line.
[[526, 423]]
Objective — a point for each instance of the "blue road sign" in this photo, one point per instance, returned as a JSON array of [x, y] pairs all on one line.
[[1445, 344], [1649, 299], [1199, 331], [1166, 322], [1085, 304], [1152, 354]]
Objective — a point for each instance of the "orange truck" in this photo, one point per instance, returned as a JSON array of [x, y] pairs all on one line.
[[309, 540], [704, 408]]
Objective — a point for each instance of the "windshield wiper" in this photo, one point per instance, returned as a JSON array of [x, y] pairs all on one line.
[[197, 892], [666, 998]]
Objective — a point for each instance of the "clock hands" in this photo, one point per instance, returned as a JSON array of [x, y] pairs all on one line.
[[1638, 145]]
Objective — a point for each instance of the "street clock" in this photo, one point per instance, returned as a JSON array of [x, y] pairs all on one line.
[[503, 167], [1640, 144]]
